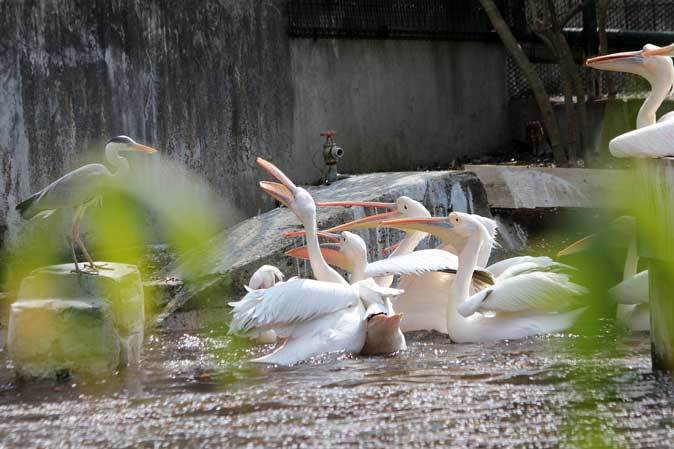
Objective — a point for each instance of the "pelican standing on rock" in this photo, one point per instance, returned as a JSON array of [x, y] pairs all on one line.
[[81, 188]]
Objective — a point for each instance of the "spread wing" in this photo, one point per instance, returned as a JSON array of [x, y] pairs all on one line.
[[530, 292], [292, 302]]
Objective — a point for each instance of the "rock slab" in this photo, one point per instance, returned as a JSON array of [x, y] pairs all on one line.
[[229, 259], [77, 322]]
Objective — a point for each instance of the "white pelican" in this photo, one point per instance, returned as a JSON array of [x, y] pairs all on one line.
[[81, 188], [314, 316], [427, 274], [516, 307], [424, 300], [264, 277], [631, 294], [651, 138]]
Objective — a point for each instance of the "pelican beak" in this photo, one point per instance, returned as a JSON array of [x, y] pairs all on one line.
[[618, 62], [385, 322], [437, 226], [277, 191], [371, 221], [143, 148], [328, 235], [577, 247], [389, 249], [663, 51], [331, 253], [282, 190]]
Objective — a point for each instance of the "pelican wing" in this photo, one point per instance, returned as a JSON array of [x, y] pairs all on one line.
[[498, 268], [288, 303], [529, 292], [632, 290], [417, 262]]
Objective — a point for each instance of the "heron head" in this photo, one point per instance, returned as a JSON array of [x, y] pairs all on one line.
[[126, 143]]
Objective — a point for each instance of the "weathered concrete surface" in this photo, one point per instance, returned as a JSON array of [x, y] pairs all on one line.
[[400, 105], [65, 320], [236, 253], [214, 85], [521, 187]]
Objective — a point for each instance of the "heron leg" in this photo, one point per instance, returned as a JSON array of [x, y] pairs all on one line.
[[71, 240], [76, 234]]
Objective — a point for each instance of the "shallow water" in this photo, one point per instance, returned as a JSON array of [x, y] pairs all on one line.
[[195, 390]]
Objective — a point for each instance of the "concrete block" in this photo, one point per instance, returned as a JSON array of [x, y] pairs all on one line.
[[51, 335], [68, 321]]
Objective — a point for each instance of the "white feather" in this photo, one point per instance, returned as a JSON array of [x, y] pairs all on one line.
[[417, 262], [529, 292], [633, 290]]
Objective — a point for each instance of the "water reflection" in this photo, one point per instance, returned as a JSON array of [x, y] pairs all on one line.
[[193, 389]]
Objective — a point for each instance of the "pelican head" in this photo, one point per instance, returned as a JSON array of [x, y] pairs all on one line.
[[285, 191], [125, 143], [346, 250], [654, 50], [452, 230], [638, 62], [404, 207]]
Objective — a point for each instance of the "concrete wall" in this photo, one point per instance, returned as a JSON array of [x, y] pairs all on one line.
[[400, 105], [215, 85]]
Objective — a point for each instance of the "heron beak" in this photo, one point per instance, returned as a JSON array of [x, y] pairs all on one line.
[[663, 51], [277, 191], [328, 235], [437, 226], [143, 148], [577, 247], [371, 221]]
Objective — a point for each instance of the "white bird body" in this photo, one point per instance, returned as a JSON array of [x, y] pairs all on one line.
[[508, 310], [651, 139], [264, 277]]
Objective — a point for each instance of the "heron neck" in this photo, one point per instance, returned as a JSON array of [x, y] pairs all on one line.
[[631, 261], [660, 87], [121, 164], [322, 271]]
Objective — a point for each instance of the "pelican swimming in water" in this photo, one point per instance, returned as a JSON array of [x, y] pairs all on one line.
[[424, 301], [314, 316], [631, 294], [652, 138], [81, 188], [527, 304]]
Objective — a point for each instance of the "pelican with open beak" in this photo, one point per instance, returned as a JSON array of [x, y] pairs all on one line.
[[532, 302]]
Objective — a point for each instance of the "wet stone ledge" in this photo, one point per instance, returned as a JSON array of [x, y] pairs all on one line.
[[232, 256]]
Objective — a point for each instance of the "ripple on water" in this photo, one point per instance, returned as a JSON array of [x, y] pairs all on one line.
[[196, 390]]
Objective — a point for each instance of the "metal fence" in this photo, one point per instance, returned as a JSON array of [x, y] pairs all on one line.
[[465, 20], [392, 19]]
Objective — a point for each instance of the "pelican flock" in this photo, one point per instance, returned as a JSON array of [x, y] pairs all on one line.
[[444, 289]]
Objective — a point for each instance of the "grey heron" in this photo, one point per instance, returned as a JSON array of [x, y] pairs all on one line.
[[81, 188]]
